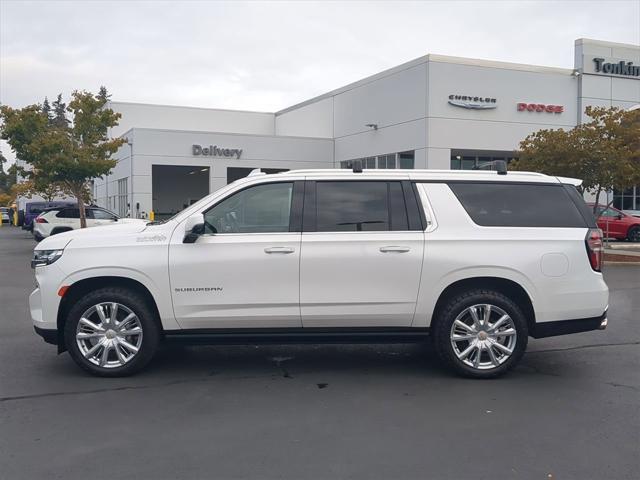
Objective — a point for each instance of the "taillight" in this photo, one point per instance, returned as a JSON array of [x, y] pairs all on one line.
[[595, 248], [40, 220]]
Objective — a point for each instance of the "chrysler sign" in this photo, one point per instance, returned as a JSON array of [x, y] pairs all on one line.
[[215, 151], [472, 102]]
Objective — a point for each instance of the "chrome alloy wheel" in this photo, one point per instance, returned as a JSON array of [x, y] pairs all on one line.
[[483, 336], [109, 334]]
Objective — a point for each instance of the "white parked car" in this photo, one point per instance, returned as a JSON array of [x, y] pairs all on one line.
[[4, 215], [476, 262], [62, 219]]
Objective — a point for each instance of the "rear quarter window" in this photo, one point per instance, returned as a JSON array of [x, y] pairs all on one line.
[[518, 205]]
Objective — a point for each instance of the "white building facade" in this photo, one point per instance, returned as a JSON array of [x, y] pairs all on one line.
[[434, 112]]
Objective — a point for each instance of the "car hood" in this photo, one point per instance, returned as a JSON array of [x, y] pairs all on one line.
[[122, 227]]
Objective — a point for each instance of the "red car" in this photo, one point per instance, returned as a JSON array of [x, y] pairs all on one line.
[[617, 224]]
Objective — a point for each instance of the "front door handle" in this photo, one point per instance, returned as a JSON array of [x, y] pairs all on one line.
[[279, 250], [394, 248]]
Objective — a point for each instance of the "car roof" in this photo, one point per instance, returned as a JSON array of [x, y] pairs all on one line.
[[431, 175]]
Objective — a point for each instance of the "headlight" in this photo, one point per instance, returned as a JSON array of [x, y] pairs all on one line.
[[45, 257]]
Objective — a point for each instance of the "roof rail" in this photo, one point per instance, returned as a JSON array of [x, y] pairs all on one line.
[[255, 172]]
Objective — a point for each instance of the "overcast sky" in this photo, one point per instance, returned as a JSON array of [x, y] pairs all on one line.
[[266, 56]]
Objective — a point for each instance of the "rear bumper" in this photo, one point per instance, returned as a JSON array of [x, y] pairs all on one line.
[[49, 336], [565, 327]]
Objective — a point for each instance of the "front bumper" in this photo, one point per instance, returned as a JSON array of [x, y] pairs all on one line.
[[566, 327]]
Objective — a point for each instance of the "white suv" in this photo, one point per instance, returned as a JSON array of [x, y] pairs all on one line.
[[62, 219], [474, 261]]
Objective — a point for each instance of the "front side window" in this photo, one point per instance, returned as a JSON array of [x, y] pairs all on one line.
[[352, 206], [100, 214], [609, 212], [259, 209]]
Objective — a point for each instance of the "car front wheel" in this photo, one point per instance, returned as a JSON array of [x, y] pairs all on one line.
[[480, 334], [111, 332]]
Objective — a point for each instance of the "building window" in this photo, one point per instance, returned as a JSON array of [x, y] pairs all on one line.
[[404, 160], [628, 199], [477, 159], [123, 197]]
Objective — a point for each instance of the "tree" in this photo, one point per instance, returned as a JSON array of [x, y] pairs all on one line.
[[35, 186], [5, 199], [8, 178], [59, 118], [46, 108], [63, 152], [603, 152]]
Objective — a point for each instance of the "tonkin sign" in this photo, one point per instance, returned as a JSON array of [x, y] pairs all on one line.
[[623, 68], [215, 151]]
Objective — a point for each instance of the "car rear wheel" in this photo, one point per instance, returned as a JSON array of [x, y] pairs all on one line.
[[480, 334], [111, 332], [633, 235]]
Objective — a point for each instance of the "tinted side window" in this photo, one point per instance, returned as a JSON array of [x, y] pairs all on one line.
[[518, 205], [260, 209], [352, 206], [68, 213]]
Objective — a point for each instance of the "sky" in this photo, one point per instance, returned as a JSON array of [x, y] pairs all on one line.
[[266, 56]]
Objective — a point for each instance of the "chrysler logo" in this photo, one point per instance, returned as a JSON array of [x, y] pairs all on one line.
[[472, 102]]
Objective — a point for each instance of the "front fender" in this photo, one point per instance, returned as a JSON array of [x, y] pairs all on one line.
[[159, 290]]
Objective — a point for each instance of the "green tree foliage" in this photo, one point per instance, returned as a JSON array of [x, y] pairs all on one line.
[[59, 115], [604, 152], [61, 151], [8, 177]]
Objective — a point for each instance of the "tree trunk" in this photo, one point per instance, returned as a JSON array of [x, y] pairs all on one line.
[[83, 214], [595, 204]]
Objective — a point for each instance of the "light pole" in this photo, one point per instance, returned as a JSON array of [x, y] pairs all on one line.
[[130, 143]]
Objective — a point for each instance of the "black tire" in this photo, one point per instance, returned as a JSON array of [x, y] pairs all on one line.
[[457, 304], [138, 305], [633, 235]]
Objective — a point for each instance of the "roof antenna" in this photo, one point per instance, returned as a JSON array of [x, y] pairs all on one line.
[[500, 166], [357, 166]]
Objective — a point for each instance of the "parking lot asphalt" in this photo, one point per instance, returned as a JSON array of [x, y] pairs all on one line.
[[571, 410]]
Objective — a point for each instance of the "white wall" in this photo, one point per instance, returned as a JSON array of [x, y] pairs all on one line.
[[311, 120], [137, 115], [171, 147], [605, 90], [451, 127]]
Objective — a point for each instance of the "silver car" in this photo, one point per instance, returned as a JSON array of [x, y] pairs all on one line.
[[4, 212]]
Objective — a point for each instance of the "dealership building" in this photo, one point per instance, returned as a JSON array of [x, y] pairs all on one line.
[[435, 112]]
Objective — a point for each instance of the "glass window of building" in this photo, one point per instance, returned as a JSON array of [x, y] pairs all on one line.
[[405, 160], [478, 159], [628, 199], [387, 161]]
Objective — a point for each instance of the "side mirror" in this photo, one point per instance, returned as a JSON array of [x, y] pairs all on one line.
[[620, 216], [193, 228]]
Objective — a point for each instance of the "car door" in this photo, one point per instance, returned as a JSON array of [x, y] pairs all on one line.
[[611, 224], [244, 271], [68, 217], [362, 251]]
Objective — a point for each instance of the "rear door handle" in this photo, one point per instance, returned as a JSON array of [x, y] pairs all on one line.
[[394, 248], [279, 250]]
